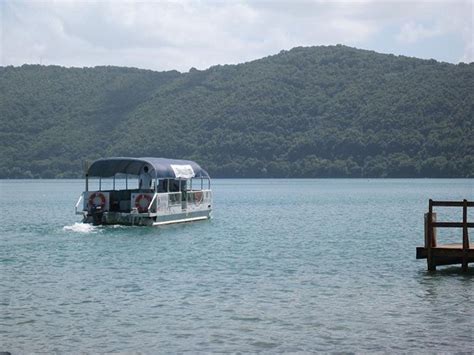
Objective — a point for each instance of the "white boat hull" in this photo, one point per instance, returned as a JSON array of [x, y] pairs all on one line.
[[158, 209], [131, 219]]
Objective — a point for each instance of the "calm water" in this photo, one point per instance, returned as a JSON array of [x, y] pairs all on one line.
[[283, 266]]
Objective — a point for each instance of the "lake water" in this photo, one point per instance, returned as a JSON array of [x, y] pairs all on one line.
[[283, 266]]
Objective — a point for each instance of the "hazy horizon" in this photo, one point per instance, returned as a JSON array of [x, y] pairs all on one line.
[[179, 35]]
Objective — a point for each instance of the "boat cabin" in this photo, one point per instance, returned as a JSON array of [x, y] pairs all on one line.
[[145, 191]]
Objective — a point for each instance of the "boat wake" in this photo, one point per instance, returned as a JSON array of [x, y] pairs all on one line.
[[81, 228]]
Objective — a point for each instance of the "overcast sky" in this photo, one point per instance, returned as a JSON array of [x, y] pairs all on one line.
[[165, 35]]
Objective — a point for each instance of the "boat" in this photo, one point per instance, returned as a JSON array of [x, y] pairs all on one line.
[[145, 192]]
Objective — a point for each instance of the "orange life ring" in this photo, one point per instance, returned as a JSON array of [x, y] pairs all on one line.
[[93, 199], [140, 204]]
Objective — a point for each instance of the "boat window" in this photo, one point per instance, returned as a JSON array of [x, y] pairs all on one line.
[[162, 186], [196, 184], [95, 184], [107, 184], [122, 182], [175, 185]]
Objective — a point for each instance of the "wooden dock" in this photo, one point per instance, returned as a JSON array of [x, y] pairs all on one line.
[[446, 254]]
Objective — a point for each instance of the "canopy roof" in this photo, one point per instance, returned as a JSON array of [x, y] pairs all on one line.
[[157, 168]]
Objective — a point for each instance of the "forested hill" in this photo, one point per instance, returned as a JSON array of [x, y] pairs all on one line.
[[309, 112]]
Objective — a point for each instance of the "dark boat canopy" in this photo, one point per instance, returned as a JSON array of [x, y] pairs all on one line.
[[160, 168]]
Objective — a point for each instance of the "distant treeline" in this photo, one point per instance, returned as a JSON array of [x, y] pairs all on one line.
[[309, 112]]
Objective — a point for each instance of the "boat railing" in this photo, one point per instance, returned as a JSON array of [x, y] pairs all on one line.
[[81, 198], [174, 198], [432, 223], [152, 202], [196, 196]]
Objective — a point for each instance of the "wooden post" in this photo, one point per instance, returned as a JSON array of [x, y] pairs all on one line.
[[465, 237], [430, 238]]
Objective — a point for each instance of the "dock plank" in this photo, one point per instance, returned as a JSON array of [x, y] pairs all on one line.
[[445, 249]]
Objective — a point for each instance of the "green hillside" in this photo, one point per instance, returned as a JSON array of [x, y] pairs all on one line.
[[309, 112]]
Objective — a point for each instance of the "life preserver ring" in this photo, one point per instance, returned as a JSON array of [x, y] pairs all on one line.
[[97, 199], [198, 197], [142, 202]]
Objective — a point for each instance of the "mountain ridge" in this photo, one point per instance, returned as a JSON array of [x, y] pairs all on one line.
[[327, 111]]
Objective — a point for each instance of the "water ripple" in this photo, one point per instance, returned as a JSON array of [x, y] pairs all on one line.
[[284, 266]]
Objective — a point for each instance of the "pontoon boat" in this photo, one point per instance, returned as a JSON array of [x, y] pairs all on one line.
[[145, 191]]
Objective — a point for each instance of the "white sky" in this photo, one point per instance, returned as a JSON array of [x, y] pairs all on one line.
[[166, 35]]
